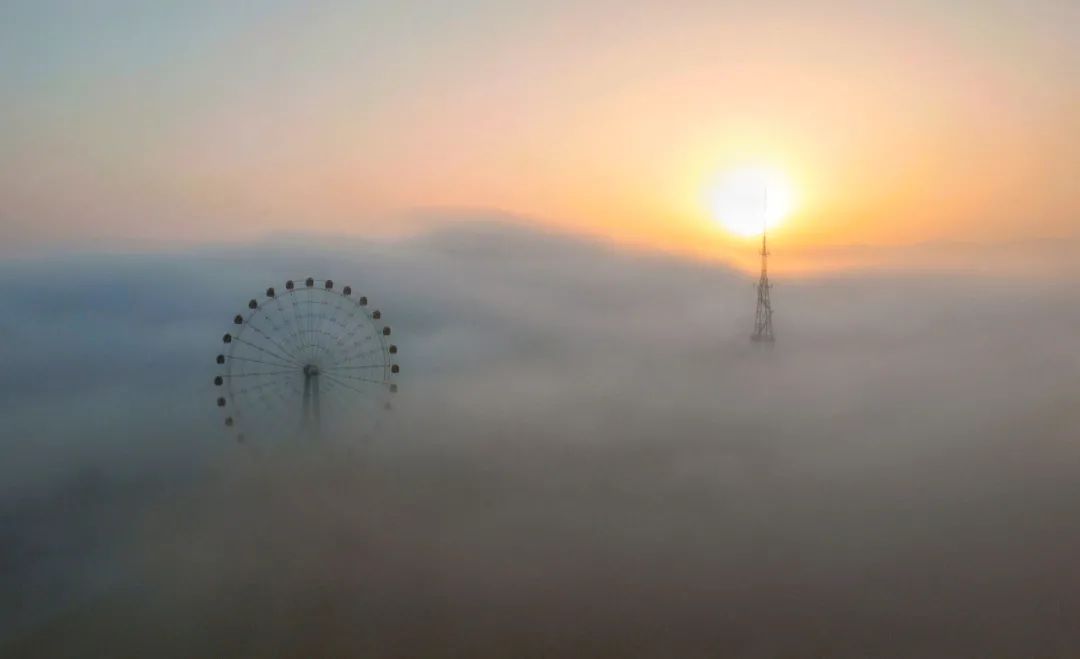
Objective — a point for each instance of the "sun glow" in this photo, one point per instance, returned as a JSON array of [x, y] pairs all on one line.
[[748, 200]]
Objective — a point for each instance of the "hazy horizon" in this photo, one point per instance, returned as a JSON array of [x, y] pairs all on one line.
[[1039, 258]]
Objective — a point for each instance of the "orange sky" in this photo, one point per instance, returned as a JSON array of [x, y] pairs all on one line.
[[897, 125]]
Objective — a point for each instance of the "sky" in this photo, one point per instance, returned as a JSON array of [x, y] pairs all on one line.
[[126, 124]]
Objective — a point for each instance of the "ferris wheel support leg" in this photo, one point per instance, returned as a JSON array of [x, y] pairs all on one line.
[[316, 422]]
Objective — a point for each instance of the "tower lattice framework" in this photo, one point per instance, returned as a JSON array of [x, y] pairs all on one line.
[[763, 329]]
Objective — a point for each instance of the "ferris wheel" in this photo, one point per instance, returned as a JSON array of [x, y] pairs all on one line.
[[310, 360]]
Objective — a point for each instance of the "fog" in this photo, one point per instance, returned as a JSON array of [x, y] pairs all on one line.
[[588, 457]]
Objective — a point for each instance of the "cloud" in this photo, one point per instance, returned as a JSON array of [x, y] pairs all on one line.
[[589, 458]]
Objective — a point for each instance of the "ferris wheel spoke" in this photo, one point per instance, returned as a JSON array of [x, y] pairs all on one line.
[[259, 361], [339, 312], [304, 320], [320, 317], [358, 345], [338, 391], [316, 349], [281, 328], [326, 317], [257, 393], [313, 318], [271, 398], [287, 390], [346, 393], [275, 343], [323, 337], [277, 386], [286, 320], [299, 321], [264, 350], [347, 399], [347, 366], [334, 378], [353, 368], [300, 344], [257, 374], [269, 378], [331, 338], [310, 319], [343, 326], [349, 359], [357, 379], [288, 325]]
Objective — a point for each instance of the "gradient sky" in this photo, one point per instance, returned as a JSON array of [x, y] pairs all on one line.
[[131, 122]]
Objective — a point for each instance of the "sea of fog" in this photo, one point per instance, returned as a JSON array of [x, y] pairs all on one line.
[[588, 457]]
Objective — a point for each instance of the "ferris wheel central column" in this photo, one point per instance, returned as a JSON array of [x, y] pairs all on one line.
[[311, 400]]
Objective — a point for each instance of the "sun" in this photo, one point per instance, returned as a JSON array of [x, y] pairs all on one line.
[[748, 200]]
